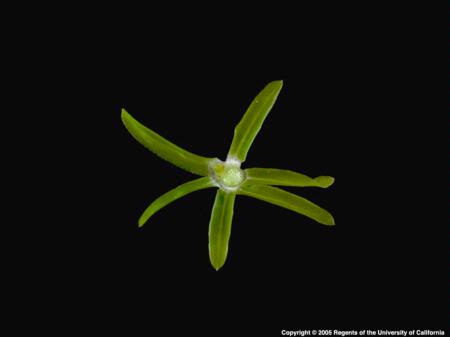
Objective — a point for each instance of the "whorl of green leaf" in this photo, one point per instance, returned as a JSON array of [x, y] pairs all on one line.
[[229, 177]]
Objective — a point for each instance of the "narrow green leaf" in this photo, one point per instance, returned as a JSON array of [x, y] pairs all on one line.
[[269, 176], [250, 124], [288, 200], [172, 195], [220, 228], [165, 149]]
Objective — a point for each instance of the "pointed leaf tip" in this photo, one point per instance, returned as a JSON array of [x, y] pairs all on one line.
[[328, 220], [332, 223], [278, 82], [124, 113], [324, 181]]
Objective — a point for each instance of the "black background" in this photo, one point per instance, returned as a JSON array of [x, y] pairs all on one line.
[[362, 102]]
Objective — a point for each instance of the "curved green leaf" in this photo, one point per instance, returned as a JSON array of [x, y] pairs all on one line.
[[220, 227], [288, 200], [269, 176], [172, 195], [250, 124], [165, 149]]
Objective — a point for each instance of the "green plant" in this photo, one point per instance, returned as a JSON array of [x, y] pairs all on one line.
[[229, 177]]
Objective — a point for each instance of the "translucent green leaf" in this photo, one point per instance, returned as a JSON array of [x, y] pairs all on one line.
[[220, 228], [269, 176], [288, 200], [165, 149], [250, 124], [172, 195]]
